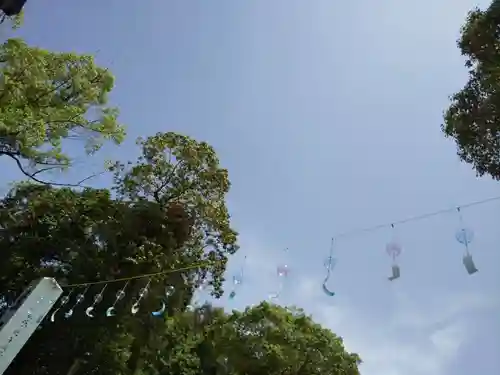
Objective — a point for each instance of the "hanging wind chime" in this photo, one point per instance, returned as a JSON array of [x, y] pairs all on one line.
[[394, 249], [195, 303], [63, 302], [142, 293], [238, 280], [465, 237], [282, 273], [111, 310], [169, 291], [97, 299], [329, 264]]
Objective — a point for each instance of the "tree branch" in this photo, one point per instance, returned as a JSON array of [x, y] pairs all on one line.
[[44, 170], [33, 177], [165, 182], [61, 84]]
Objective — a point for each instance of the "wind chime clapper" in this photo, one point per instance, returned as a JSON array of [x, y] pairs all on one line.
[[465, 237], [394, 249], [329, 264]]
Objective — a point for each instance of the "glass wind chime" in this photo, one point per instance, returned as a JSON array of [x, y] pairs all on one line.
[[465, 236], [110, 311], [329, 264], [282, 271], [201, 312], [238, 279], [394, 249], [196, 301]]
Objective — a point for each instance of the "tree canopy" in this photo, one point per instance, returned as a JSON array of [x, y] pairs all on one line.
[[47, 97], [472, 118], [265, 339]]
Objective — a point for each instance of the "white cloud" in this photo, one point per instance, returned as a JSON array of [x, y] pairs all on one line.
[[440, 307], [414, 340], [447, 341]]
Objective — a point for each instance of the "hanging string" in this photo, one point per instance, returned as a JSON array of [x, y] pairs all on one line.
[[111, 311], [463, 235], [393, 249], [413, 218], [460, 217], [97, 300], [62, 303], [143, 292]]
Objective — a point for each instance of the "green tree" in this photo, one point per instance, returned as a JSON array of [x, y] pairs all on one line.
[[472, 118], [80, 236], [266, 339], [176, 170], [47, 97]]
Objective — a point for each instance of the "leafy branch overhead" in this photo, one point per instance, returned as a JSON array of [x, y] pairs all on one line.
[[473, 117], [183, 175], [46, 98]]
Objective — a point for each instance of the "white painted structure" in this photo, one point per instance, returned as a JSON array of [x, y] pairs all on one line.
[[19, 322]]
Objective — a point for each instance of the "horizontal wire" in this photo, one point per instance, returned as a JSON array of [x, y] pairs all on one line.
[[413, 218], [100, 282]]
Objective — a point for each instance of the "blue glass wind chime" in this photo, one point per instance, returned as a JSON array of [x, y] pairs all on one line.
[[238, 279], [196, 303], [111, 310], [329, 264]]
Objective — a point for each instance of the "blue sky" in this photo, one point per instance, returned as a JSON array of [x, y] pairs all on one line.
[[327, 115]]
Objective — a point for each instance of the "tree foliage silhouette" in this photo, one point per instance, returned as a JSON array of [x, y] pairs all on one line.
[[472, 118]]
